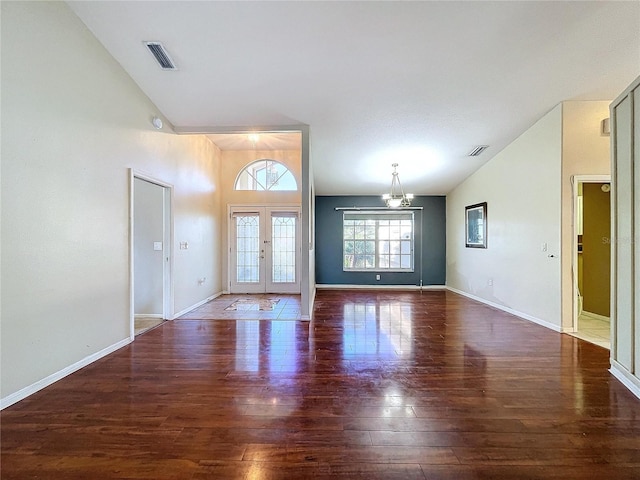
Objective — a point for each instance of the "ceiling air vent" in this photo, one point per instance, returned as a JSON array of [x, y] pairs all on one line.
[[477, 150], [161, 55]]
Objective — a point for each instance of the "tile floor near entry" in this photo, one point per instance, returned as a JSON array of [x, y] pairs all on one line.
[[285, 307], [594, 330]]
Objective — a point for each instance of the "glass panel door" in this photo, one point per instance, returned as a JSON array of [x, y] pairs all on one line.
[[265, 250], [284, 252], [247, 254]]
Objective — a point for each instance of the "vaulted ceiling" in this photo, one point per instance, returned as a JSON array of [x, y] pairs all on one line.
[[418, 83]]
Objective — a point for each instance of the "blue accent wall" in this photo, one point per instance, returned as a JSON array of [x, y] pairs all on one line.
[[431, 224]]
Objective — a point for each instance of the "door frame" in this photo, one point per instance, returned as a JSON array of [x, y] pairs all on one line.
[[575, 181], [267, 207], [167, 247]]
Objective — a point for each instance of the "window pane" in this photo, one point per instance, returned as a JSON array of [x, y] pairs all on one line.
[[348, 261], [370, 232], [405, 247], [348, 247], [371, 261], [370, 247]]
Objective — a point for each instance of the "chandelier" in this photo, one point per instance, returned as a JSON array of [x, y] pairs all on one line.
[[396, 198]]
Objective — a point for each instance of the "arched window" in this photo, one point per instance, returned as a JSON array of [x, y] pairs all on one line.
[[266, 175]]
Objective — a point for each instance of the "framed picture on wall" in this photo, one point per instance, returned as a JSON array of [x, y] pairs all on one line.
[[476, 225]]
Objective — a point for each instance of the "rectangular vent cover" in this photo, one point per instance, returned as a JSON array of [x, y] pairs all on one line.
[[161, 55], [477, 150]]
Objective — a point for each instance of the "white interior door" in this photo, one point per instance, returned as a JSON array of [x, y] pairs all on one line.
[[265, 250]]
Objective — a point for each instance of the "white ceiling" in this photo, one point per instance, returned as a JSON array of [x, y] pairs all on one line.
[[418, 83]]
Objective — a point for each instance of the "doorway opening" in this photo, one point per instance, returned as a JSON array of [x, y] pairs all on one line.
[[150, 250], [265, 249], [591, 264]]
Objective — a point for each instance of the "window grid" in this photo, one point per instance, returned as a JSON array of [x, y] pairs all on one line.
[[248, 249], [266, 175], [283, 241], [384, 244]]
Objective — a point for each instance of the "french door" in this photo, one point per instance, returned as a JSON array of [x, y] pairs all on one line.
[[265, 249]]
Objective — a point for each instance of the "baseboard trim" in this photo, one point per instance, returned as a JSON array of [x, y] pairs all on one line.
[[54, 377], [625, 377], [328, 286], [199, 304], [595, 316], [525, 316], [144, 315]]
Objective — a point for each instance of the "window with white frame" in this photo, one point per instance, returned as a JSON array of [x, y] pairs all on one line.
[[377, 241], [266, 175]]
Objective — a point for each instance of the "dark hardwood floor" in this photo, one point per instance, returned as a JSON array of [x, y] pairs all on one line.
[[400, 385]]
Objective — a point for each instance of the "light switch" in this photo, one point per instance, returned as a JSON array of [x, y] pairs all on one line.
[[157, 246]]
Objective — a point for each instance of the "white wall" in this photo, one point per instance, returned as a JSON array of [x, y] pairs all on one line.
[[521, 185], [148, 213], [73, 124]]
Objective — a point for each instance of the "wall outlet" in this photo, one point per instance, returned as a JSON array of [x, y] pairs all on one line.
[[490, 282], [184, 245], [202, 280], [377, 277]]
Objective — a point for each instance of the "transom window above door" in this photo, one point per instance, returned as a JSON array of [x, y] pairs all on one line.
[[266, 175]]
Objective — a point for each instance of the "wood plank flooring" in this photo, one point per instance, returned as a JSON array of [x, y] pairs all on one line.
[[400, 385]]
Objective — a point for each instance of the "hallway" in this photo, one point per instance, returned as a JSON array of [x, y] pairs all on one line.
[[398, 385]]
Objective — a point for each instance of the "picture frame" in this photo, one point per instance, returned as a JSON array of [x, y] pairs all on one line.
[[475, 217]]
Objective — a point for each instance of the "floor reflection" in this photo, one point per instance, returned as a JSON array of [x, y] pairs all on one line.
[[274, 342], [247, 345], [382, 329], [283, 355]]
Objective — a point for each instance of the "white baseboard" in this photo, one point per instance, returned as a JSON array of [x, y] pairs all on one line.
[[327, 286], [595, 316], [149, 315], [525, 316], [625, 377], [193, 307], [54, 377]]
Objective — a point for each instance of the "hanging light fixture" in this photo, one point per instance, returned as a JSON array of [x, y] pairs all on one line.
[[396, 198]]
